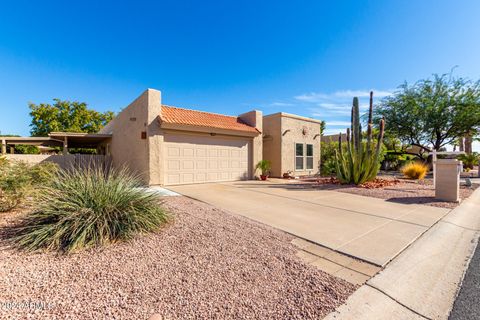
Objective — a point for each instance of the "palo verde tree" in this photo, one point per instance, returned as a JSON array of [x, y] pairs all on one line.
[[432, 113], [65, 115]]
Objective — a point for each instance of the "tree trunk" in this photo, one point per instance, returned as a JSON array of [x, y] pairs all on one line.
[[461, 145], [468, 144]]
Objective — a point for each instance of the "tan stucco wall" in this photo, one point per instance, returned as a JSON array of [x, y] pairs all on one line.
[[447, 179], [145, 156], [281, 149], [255, 119], [155, 138], [127, 146], [272, 144]]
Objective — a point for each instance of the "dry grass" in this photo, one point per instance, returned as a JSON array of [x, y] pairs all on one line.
[[415, 170]]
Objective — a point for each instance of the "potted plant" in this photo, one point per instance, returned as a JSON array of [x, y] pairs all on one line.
[[264, 166]]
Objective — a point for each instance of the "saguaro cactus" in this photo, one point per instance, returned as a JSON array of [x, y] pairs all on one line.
[[359, 162]]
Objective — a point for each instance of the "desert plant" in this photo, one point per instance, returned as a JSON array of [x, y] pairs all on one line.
[[89, 207], [469, 160], [264, 166], [360, 161], [327, 158], [328, 168], [415, 170], [19, 181]]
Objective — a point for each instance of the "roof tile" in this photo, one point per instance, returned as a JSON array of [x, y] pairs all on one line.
[[203, 119]]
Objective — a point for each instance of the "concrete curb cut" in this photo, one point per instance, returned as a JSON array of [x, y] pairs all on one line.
[[423, 281]]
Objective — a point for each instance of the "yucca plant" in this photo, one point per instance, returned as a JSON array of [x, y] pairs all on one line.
[[89, 207], [359, 162]]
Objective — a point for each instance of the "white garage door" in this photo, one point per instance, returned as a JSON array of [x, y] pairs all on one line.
[[198, 159]]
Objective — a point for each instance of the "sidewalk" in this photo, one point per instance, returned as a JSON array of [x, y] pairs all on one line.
[[423, 281]]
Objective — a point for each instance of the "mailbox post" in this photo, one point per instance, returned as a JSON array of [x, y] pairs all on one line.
[[447, 179]]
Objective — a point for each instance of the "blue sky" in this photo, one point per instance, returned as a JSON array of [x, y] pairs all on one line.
[[303, 57]]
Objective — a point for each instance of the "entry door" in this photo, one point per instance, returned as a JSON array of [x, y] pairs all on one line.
[[199, 159]]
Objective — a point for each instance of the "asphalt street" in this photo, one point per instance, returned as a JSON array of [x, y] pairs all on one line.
[[467, 305]]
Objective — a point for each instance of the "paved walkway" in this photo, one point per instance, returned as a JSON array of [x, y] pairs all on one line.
[[467, 304], [423, 281], [370, 229]]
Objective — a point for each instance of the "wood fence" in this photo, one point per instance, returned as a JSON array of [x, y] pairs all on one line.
[[64, 161]]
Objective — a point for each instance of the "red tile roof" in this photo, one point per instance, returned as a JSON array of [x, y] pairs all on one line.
[[203, 119]]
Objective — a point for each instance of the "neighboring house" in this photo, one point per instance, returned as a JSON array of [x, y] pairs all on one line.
[[292, 144], [168, 145], [334, 137]]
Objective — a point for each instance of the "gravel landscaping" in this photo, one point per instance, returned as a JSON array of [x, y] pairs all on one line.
[[399, 190], [408, 192], [206, 264]]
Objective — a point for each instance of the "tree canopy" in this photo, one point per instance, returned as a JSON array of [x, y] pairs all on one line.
[[432, 113], [65, 115]]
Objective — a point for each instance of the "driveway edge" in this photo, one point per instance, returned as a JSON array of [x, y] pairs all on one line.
[[423, 281]]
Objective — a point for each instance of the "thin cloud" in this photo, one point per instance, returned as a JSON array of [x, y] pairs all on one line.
[[281, 104], [328, 132], [338, 123], [321, 97]]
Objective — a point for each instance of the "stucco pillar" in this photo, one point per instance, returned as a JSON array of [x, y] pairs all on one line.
[[447, 179], [155, 138], [255, 119], [4, 146]]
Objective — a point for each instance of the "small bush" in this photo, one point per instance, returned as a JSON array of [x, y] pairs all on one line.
[[328, 168], [89, 207], [19, 181], [469, 160], [415, 170]]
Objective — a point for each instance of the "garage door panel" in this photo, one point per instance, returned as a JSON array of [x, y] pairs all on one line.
[[201, 177], [173, 165], [187, 152], [195, 159], [201, 152], [173, 151], [201, 164], [187, 178]]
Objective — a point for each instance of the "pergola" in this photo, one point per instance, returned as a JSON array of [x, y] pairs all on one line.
[[58, 139]]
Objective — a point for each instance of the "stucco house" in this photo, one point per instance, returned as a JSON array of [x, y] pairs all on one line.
[[292, 144], [168, 145]]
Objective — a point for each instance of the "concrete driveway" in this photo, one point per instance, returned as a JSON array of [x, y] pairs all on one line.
[[370, 229]]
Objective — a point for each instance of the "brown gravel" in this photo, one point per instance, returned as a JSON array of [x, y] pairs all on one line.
[[207, 264], [405, 191]]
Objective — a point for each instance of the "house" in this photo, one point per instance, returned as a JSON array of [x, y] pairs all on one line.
[[292, 144], [334, 137], [167, 145]]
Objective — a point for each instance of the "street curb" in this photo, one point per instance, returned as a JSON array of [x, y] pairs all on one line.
[[423, 281]]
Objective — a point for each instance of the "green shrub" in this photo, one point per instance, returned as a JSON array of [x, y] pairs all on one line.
[[19, 181], [328, 168], [327, 158], [469, 160], [264, 166], [415, 170], [26, 149], [87, 208]]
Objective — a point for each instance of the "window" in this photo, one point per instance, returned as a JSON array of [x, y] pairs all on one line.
[[309, 159], [299, 154]]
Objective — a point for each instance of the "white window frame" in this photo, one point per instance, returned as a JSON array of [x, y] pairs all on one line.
[[302, 156], [307, 156]]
